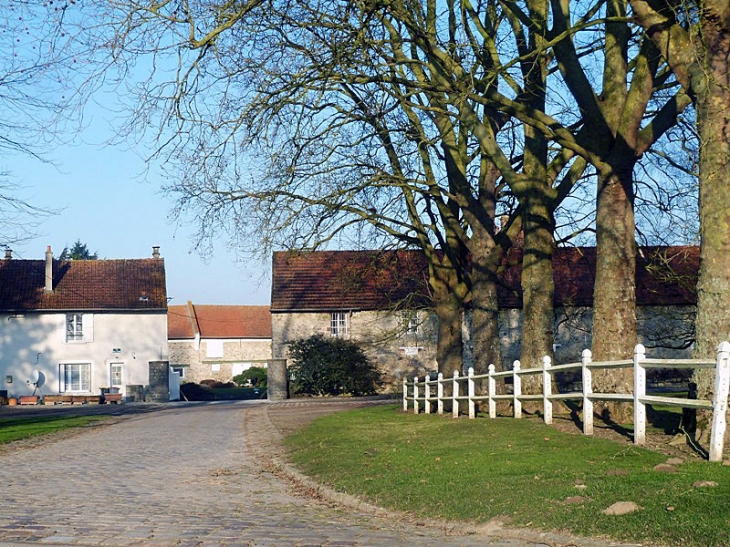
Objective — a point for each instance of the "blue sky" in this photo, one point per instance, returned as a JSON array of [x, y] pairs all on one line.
[[102, 200]]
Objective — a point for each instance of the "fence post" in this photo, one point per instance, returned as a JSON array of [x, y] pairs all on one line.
[[492, 388], [547, 390], [455, 395], [516, 389], [639, 393], [587, 376], [471, 393], [440, 394], [415, 395], [719, 402], [405, 394], [427, 394]]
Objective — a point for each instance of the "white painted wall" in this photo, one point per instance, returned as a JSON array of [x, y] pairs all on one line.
[[36, 341]]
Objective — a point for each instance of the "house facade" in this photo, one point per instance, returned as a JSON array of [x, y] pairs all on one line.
[[217, 342], [380, 299], [74, 327], [376, 298]]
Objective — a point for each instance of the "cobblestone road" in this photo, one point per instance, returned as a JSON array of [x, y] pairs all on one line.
[[185, 476]]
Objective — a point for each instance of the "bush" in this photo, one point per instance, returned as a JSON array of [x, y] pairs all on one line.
[[254, 376], [216, 384], [331, 366]]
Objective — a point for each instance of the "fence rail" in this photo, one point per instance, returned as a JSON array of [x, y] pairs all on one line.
[[463, 388]]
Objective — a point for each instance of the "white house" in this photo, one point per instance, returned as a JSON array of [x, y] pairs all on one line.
[[78, 326]]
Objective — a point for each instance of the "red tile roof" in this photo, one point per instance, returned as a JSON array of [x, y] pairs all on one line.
[[132, 284], [331, 280], [179, 323], [218, 321], [371, 280]]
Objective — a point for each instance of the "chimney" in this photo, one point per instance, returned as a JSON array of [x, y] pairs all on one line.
[[49, 270], [8, 254], [155, 251]]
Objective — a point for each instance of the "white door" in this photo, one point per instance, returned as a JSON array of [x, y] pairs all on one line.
[[116, 376]]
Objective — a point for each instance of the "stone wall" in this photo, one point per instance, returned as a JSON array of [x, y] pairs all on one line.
[[666, 332], [382, 335], [237, 353]]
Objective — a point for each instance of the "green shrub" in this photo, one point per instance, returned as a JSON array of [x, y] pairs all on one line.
[[331, 366], [254, 376], [216, 384]]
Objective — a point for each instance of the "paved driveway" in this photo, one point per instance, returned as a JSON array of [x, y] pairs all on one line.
[[183, 476]]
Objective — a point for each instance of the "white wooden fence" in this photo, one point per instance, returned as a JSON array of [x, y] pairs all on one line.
[[429, 393]]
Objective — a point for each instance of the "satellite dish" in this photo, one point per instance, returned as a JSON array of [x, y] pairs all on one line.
[[37, 378]]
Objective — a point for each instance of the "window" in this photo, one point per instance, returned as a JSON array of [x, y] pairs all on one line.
[[180, 370], [74, 327], [116, 375], [410, 322], [215, 367], [78, 327], [75, 377], [338, 324]]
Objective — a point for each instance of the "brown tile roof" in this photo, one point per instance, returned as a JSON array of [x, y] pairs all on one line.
[[218, 321], [332, 280], [132, 284], [370, 280], [179, 323]]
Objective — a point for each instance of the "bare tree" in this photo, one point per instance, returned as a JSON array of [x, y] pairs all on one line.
[[39, 98]]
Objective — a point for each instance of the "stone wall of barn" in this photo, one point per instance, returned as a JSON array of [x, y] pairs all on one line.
[[665, 332], [217, 360]]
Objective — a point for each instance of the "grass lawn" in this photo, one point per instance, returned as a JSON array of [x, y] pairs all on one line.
[[475, 470], [14, 429]]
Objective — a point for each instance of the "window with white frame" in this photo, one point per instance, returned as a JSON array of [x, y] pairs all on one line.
[[75, 377], [338, 324], [409, 320], [74, 327], [179, 369]]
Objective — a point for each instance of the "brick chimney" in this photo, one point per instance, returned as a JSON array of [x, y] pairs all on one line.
[[49, 270], [155, 251], [8, 254]]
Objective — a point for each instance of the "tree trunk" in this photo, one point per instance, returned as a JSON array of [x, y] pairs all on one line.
[[537, 291], [448, 297], [614, 294], [485, 322], [713, 123]]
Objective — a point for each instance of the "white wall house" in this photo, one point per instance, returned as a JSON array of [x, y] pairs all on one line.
[[80, 325]]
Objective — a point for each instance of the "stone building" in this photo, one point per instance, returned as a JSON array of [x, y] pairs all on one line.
[[209, 342], [380, 299]]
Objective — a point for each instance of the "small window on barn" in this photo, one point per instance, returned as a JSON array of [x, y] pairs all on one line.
[[409, 320], [338, 324]]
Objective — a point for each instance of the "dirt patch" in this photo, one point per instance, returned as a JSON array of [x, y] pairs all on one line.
[[658, 442]]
